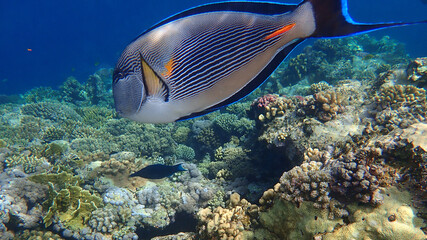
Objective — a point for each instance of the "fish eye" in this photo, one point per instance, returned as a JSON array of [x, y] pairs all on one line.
[[117, 75]]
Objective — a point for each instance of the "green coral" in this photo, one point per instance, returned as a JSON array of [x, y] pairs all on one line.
[[67, 200], [95, 89], [95, 116], [29, 128], [50, 110], [41, 94], [286, 221], [54, 150], [72, 91], [226, 123], [229, 124], [3, 143], [184, 152], [181, 134], [208, 138], [37, 235], [29, 163], [53, 133]]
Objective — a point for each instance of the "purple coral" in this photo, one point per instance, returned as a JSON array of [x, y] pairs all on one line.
[[265, 100]]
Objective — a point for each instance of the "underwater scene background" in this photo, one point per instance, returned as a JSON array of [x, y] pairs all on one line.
[[332, 146]]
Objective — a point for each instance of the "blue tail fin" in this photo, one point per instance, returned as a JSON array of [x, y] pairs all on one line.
[[179, 167], [332, 20]]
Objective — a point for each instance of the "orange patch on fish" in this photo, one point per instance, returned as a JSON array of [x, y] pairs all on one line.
[[29, 49], [169, 68], [280, 31]]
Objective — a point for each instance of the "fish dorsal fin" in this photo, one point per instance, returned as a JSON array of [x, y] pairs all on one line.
[[154, 85]]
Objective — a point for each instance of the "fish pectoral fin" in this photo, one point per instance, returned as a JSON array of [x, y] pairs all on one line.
[[280, 31], [154, 85]]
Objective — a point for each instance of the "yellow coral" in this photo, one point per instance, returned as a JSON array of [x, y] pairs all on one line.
[[227, 223], [400, 95], [391, 220], [29, 163], [330, 103]]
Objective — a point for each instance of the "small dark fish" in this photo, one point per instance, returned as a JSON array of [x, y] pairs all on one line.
[[210, 56], [158, 171]]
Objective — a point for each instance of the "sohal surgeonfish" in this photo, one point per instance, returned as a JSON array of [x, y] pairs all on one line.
[[158, 171], [210, 56]]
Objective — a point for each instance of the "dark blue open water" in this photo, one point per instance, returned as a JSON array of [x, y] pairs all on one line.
[[77, 37]]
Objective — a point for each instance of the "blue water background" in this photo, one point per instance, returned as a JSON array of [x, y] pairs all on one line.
[[75, 38]]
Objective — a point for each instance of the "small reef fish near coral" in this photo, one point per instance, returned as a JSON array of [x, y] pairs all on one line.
[[158, 171], [332, 146], [207, 57]]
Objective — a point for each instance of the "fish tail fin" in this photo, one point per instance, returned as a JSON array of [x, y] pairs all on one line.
[[179, 167], [332, 20]]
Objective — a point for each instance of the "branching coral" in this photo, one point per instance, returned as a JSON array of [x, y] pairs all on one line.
[[53, 133], [308, 182], [50, 110], [184, 152], [233, 222], [268, 107], [29, 163], [72, 91], [330, 102], [181, 134], [40, 94], [400, 95], [320, 86]]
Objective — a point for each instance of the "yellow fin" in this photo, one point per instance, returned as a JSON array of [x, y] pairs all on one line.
[[153, 84]]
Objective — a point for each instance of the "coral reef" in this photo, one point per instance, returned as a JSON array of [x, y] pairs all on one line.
[[269, 106], [72, 90], [54, 111], [392, 220], [400, 95], [29, 163], [417, 71], [359, 57], [184, 152], [67, 200], [233, 222], [40, 94], [320, 158], [331, 104]]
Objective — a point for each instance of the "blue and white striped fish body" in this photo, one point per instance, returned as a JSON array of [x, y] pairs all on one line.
[[213, 55]]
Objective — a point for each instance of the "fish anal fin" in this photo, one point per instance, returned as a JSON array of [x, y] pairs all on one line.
[[280, 31], [153, 83]]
